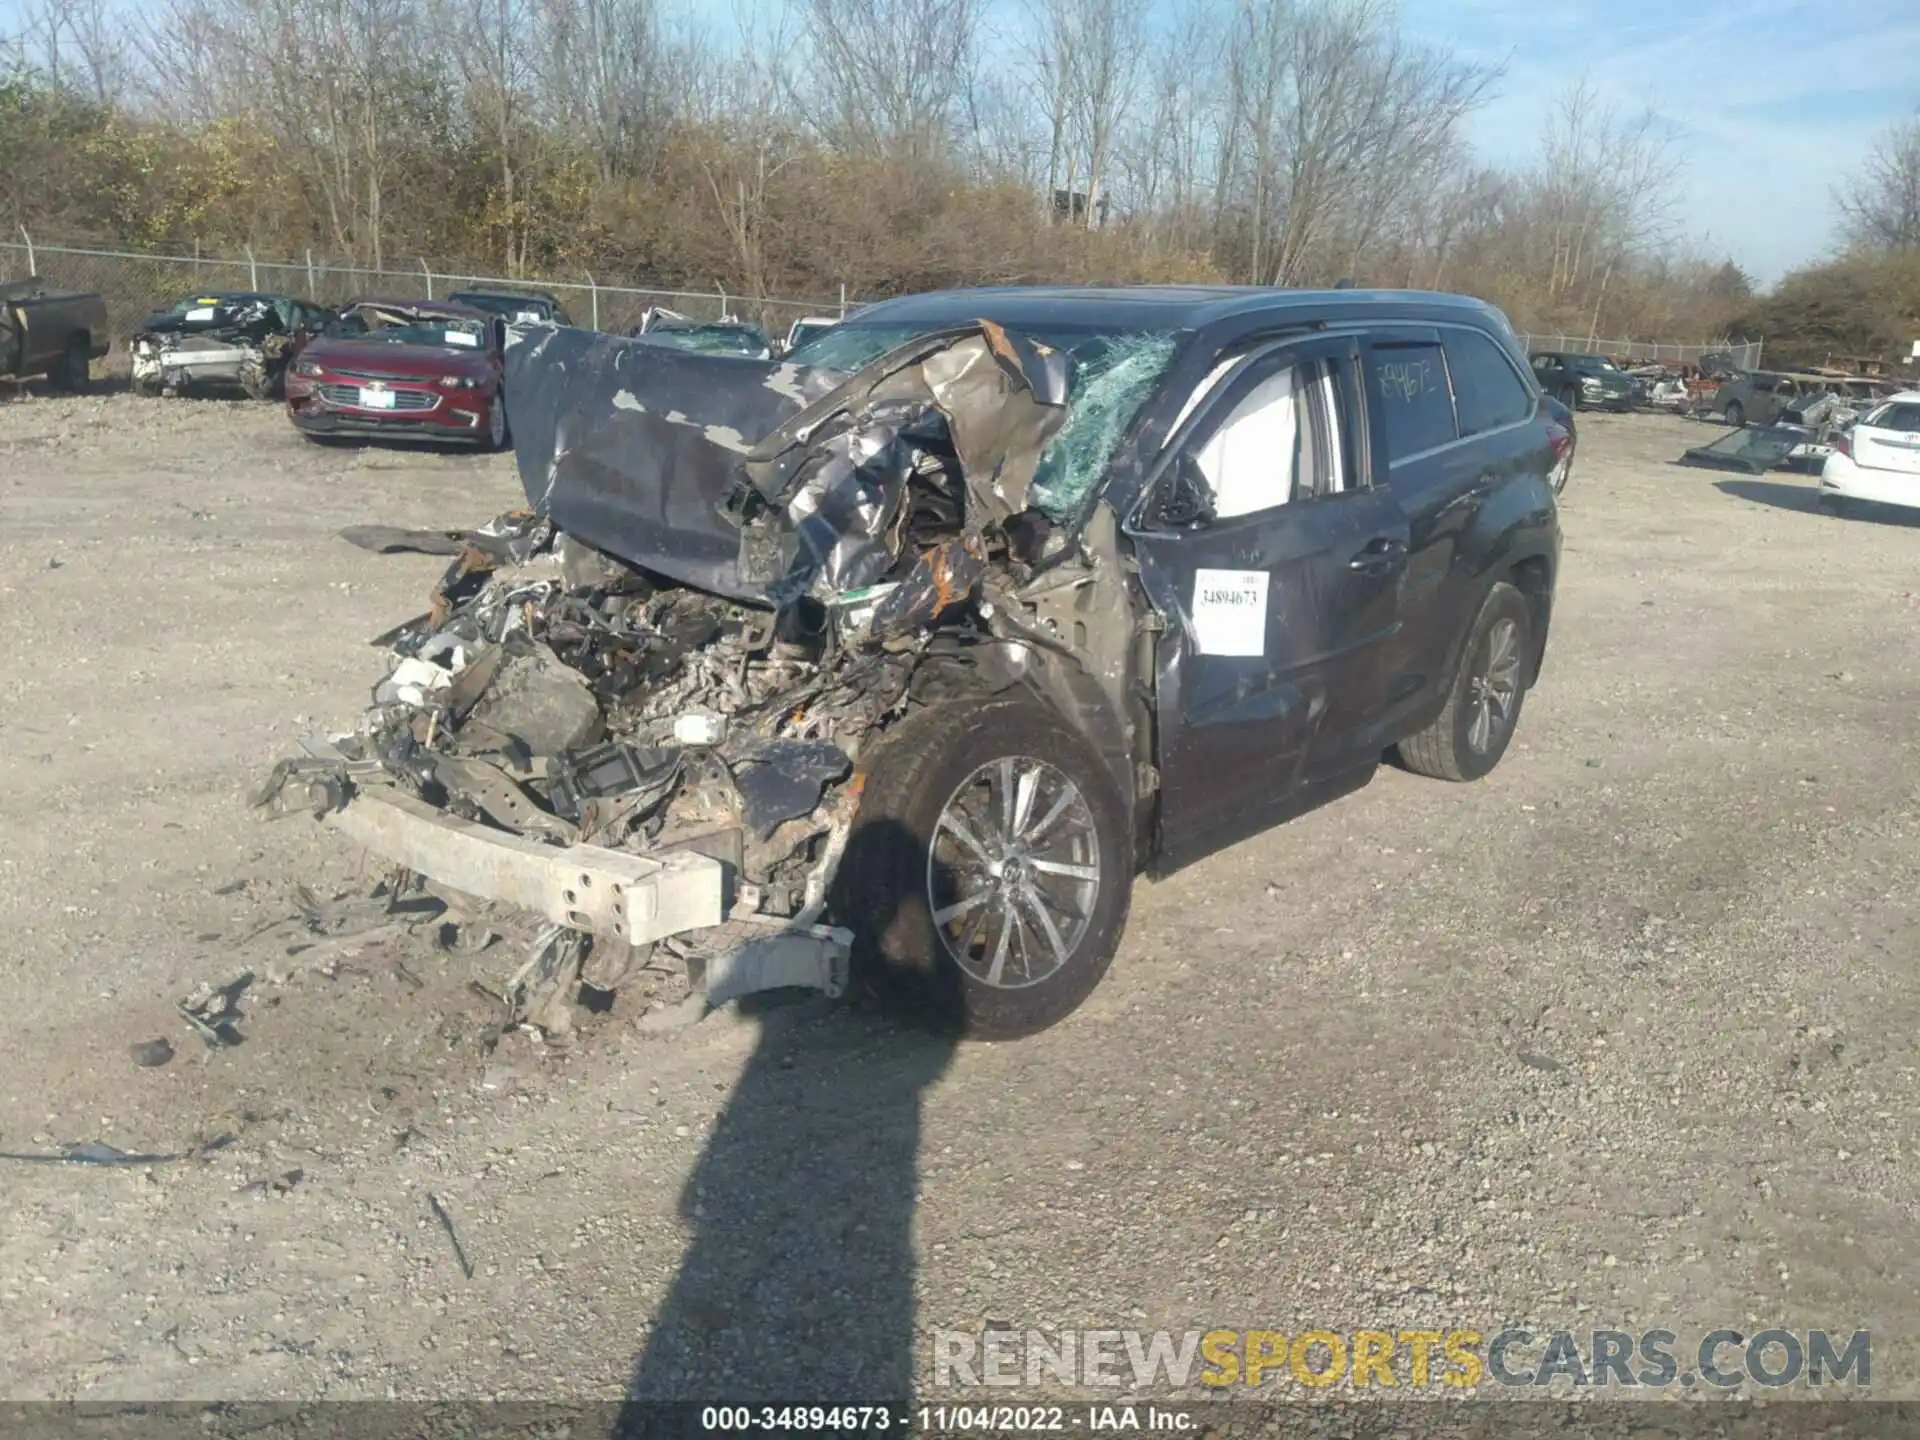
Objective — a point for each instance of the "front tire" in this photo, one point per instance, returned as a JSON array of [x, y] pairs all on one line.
[[990, 871], [1736, 414], [1483, 707]]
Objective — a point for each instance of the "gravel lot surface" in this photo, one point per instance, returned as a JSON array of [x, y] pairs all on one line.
[[1620, 1037]]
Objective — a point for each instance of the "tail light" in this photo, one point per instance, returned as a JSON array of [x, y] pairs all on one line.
[[1843, 444], [1562, 440]]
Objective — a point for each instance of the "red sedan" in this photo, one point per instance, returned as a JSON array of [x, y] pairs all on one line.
[[415, 368]]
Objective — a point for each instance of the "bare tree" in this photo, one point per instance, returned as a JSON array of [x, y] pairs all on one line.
[[82, 45], [888, 76], [1880, 206]]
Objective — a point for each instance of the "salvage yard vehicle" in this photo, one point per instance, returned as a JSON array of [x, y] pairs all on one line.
[[422, 369], [1590, 382], [56, 333], [516, 305], [725, 336], [905, 655], [810, 327], [224, 339], [1878, 460], [1760, 396]]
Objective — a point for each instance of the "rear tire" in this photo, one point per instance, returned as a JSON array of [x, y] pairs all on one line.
[[940, 777], [1483, 705], [1736, 414], [72, 371]]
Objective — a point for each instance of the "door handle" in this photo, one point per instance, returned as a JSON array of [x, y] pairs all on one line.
[[1379, 555]]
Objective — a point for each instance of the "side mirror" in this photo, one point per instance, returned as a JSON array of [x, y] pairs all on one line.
[[1184, 498]]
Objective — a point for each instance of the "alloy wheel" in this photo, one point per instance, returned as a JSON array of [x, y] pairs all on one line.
[[1013, 873], [1493, 691]]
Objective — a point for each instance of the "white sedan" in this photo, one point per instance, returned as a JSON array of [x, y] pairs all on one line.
[[1879, 459]]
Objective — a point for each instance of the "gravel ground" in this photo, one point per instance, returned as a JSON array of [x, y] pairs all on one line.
[[1621, 1037]]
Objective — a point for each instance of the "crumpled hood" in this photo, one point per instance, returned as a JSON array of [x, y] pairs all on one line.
[[759, 480]]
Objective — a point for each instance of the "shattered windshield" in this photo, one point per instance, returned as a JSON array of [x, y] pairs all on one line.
[[400, 327], [1112, 378], [712, 339], [1594, 365]]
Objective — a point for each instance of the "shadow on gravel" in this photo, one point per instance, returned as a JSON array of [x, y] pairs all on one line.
[[798, 1282], [1806, 499]]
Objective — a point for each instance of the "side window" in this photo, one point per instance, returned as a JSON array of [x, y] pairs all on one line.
[[1409, 385], [1283, 439], [1486, 389]]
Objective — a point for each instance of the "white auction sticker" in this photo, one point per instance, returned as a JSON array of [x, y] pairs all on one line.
[[1230, 612]]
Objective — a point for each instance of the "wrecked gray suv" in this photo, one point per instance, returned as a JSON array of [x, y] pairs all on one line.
[[901, 657]]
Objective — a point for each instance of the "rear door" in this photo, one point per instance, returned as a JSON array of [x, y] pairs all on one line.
[[1274, 561], [1889, 439]]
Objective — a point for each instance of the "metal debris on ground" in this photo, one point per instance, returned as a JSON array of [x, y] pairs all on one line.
[[95, 1152], [214, 1012], [441, 1213], [274, 1184]]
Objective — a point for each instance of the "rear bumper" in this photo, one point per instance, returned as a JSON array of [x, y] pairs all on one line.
[[1841, 476]]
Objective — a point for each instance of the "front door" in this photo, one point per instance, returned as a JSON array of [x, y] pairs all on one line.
[[1274, 561]]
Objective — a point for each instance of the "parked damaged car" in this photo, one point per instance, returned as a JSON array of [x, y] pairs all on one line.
[[224, 340], [515, 305], [412, 369], [726, 336], [906, 656]]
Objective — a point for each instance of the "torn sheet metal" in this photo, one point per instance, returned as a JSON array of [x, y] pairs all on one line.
[[631, 447], [643, 453]]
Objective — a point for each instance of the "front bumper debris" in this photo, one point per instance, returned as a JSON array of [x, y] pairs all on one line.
[[619, 897]]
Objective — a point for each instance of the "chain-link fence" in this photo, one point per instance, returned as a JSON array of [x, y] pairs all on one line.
[[1746, 355], [134, 285]]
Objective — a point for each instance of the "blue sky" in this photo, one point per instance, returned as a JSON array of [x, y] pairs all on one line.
[[1772, 99]]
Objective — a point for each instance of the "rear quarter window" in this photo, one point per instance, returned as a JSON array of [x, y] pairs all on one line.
[[1904, 416], [1488, 392], [1409, 384]]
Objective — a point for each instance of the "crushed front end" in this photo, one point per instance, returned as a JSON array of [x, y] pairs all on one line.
[[636, 713]]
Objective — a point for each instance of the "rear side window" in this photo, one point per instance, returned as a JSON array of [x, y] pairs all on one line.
[[1487, 391], [1409, 384], [1904, 417]]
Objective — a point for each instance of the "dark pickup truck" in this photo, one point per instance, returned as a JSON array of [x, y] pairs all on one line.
[[54, 333]]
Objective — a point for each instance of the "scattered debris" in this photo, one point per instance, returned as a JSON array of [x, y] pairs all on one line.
[[446, 1223], [214, 1012], [95, 1152], [274, 1184], [151, 1054], [1533, 1060], [392, 540]]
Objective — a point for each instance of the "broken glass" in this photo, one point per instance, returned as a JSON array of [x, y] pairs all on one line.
[[1117, 373], [1756, 449]]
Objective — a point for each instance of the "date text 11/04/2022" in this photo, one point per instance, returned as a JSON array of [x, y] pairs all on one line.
[[943, 1419]]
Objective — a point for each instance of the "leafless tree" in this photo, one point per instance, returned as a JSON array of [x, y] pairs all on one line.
[[82, 45], [888, 76], [1880, 206]]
